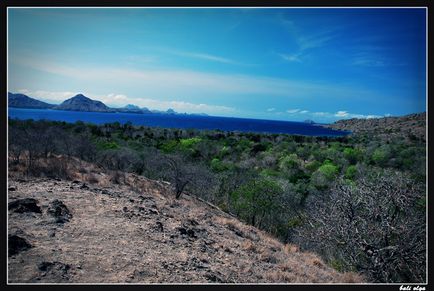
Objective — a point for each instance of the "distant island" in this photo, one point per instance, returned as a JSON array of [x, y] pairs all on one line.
[[82, 103]]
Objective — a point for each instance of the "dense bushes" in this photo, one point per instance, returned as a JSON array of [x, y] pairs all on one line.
[[323, 192]]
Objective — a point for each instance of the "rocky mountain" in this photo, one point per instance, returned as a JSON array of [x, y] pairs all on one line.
[[89, 230], [82, 103], [130, 108], [24, 101], [409, 126], [146, 110]]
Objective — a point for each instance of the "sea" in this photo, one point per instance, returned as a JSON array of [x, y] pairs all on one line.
[[179, 121]]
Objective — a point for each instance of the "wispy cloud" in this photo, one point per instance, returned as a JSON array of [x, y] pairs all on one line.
[[199, 55], [120, 100], [188, 82], [368, 63], [304, 41], [291, 57], [292, 111], [271, 109], [323, 115], [207, 57], [140, 59], [316, 40]]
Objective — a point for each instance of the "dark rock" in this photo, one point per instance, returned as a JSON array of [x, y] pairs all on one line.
[[17, 244], [125, 209], [54, 271], [152, 211], [213, 278], [191, 233], [192, 222], [159, 226], [59, 211], [182, 230], [75, 182], [12, 188], [187, 231], [24, 205], [84, 186]]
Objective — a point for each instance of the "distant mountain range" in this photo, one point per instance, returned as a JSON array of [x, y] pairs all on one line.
[[81, 103]]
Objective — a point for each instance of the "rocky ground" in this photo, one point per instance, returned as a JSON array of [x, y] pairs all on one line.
[[74, 231]]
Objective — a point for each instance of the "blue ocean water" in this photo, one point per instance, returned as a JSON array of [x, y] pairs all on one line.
[[178, 121]]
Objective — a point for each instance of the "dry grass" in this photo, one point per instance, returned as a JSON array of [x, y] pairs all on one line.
[[351, 277], [249, 246], [290, 248], [277, 276]]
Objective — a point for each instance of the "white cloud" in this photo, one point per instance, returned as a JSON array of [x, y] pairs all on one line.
[[321, 113], [304, 111], [293, 111], [341, 114], [271, 109]]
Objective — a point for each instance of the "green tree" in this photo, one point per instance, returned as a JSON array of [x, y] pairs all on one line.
[[257, 200]]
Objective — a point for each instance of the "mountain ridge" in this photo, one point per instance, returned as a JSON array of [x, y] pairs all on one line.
[[82, 103], [18, 100]]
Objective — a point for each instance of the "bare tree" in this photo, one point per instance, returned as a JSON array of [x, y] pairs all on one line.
[[376, 226], [185, 175]]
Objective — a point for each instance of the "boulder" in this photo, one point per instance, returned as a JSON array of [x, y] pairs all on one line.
[[24, 205], [17, 244], [59, 211]]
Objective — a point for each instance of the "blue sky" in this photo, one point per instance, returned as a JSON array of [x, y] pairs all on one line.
[[285, 64]]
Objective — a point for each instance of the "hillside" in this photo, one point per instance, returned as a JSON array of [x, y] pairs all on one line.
[[98, 231], [24, 101], [83, 103], [409, 126]]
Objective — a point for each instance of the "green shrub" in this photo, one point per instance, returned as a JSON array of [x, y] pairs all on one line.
[[219, 166], [188, 143], [350, 173], [329, 170], [169, 146], [109, 145]]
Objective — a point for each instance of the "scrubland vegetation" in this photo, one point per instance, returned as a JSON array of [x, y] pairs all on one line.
[[358, 201]]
